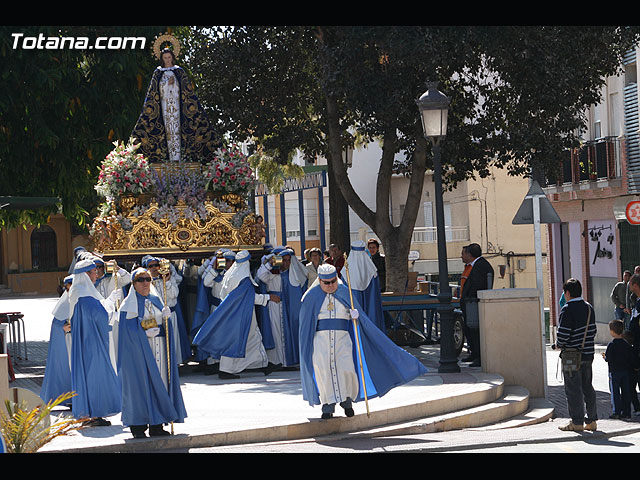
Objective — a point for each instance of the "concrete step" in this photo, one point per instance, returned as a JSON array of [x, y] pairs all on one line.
[[511, 410], [430, 402], [540, 410]]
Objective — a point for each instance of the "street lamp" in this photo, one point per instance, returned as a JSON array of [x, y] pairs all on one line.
[[434, 109]]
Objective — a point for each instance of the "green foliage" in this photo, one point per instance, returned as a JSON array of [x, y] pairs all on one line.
[[272, 172], [517, 93], [61, 111], [260, 83], [26, 431]]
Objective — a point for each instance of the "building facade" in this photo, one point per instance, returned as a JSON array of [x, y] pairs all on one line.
[[595, 243]]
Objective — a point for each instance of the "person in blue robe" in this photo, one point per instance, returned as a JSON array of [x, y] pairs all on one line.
[[57, 372], [167, 287], [365, 283], [288, 285], [330, 366], [151, 394], [211, 274], [93, 379], [230, 334]]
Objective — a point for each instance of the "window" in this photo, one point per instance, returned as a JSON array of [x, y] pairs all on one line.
[[44, 248]]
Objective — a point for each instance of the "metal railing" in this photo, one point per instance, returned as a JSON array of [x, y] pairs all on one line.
[[427, 234], [430, 234]]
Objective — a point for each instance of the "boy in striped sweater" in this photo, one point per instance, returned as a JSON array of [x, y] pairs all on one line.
[[571, 332]]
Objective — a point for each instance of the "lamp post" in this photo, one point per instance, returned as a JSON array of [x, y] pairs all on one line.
[[434, 109]]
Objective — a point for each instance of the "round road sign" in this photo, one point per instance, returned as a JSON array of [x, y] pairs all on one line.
[[632, 212]]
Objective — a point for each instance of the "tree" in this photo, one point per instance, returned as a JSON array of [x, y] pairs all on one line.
[[261, 83], [518, 96], [64, 105]]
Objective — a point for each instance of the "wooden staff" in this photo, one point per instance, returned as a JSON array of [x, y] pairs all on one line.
[[164, 270], [355, 327]]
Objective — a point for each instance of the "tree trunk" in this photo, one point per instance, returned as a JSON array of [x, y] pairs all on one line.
[[339, 228], [396, 241]]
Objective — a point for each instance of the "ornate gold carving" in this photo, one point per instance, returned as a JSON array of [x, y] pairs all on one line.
[[145, 232]]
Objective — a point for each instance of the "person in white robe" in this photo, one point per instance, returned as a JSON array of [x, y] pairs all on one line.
[[107, 282], [284, 327], [106, 285], [256, 355], [212, 276]]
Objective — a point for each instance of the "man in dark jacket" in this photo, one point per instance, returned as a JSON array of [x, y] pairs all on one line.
[[480, 278], [572, 324]]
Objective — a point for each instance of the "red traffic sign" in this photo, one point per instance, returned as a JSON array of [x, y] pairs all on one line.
[[632, 212]]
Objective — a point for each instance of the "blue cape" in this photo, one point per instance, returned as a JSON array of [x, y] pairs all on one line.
[[185, 341], [371, 302], [225, 331], [385, 365], [291, 303], [145, 399], [57, 374], [93, 379], [204, 300], [263, 318]]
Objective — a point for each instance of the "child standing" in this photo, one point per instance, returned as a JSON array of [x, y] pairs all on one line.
[[621, 359]]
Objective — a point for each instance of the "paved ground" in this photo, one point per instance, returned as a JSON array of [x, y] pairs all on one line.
[[278, 394]]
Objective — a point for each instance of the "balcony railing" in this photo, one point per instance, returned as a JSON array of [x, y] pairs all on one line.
[[427, 234], [430, 234], [596, 160]]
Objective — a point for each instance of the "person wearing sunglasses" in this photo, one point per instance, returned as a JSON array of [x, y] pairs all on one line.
[[171, 281], [331, 365], [151, 394]]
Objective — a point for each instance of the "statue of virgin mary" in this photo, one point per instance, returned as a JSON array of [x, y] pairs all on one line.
[[173, 125]]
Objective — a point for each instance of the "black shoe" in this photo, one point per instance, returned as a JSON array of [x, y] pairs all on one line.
[[227, 376], [270, 368], [349, 412], [326, 416], [157, 431], [294, 368], [97, 422], [468, 359], [138, 431], [211, 369]]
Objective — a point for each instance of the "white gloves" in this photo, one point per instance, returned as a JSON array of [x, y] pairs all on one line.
[[152, 332], [166, 312], [354, 314], [116, 295]]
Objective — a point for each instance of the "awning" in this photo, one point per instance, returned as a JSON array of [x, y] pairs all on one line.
[[27, 203]]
